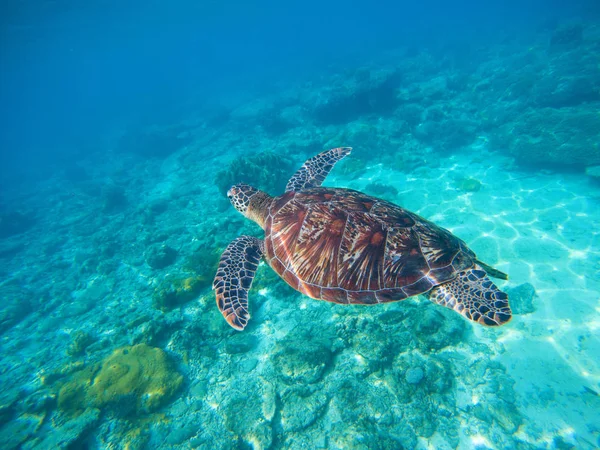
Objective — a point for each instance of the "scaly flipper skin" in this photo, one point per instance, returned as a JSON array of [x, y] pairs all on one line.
[[475, 296], [314, 171], [234, 278]]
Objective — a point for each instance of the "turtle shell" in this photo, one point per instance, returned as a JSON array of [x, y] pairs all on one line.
[[344, 246]]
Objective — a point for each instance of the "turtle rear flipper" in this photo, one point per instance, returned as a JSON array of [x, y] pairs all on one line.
[[234, 278], [475, 296]]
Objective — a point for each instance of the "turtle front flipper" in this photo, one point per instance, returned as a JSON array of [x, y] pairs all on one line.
[[475, 296], [234, 278], [314, 171]]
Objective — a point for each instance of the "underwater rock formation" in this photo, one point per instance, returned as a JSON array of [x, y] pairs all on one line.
[[15, 222], [203, 260], [414, 375], [560, 137], [368, 92], [302, 363], [566, 36], [439, 329], [154, 142], [80, 341], [159, 256], [175, 291], [16, 305], [522, 298], [446, 132], [113, 198], [268, 171]]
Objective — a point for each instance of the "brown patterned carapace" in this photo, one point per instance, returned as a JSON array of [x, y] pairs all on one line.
[[344, 246]]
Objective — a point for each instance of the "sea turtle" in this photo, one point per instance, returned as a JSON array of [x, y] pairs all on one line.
[[343, 246]]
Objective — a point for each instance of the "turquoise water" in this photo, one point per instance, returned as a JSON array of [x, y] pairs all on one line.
[[117, 152]]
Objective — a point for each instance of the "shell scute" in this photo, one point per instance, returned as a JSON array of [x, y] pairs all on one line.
[[419, 287], [311, 290], [318, 248], [404, 263], [277, 265], [390, 295], [334, 295], [362, 297], [392, 215], [291, 279], [439, 247], [362, 253]]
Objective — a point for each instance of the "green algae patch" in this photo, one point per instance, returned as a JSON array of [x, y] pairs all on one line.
[[136, 379], [79, 343], [174, 292], [468, 184], [204, 260]]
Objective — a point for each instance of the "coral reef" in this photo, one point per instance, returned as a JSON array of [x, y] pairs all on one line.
[[268, 171], [203, 260], [175, 291], [301, 362], [69, 433], [445, 131], [560, 137], [367, 92], [351, 167], [159, 256], [439, 329], [198, 272], [133, 380], [79, 342], [241, 343]]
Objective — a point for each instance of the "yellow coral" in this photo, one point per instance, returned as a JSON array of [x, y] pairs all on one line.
[[140, 374], [190, 283]]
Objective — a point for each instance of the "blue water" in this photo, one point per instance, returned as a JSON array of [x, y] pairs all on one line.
[[123, 127]]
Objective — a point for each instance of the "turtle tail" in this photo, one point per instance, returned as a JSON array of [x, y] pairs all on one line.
[[493, 272]]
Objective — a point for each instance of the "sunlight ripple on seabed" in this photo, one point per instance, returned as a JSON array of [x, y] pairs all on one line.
[[574, 364]]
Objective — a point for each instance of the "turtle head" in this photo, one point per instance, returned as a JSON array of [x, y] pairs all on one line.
[[251, 202], [239, 195]]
